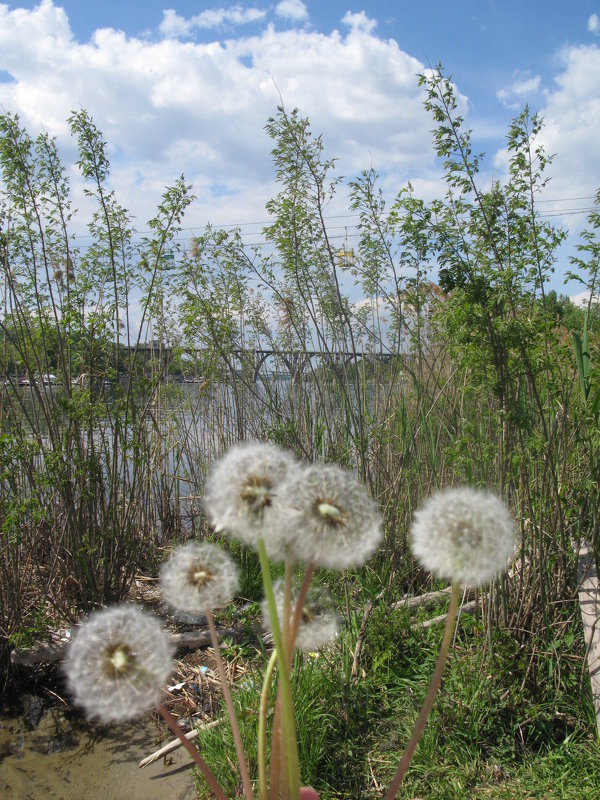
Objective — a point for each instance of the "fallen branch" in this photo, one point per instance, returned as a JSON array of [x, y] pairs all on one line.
[[429, 598], [58, 652], [589, 602], [176, 743], [35, 655], [193, 639], [467, 608]]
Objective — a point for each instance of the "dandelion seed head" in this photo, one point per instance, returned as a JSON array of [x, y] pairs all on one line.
[[118, 662], [241, 490], [199, 576], [335, 520], [318, 622], [463, 534]]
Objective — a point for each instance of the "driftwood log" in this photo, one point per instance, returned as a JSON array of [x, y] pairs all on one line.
[[466, 608], [429, 598], [57, 652], [192, 639], [589, 603], [168, 748]]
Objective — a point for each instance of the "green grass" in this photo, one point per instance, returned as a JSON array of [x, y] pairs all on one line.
[[505, 725], [495, 732], [33, 628]]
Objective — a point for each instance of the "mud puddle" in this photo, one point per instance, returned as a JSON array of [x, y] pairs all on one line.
[[66, 758]]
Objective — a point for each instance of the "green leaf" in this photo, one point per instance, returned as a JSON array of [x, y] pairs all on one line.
[[582, 358]]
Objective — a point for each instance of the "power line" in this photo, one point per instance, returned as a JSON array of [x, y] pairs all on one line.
[[565, 199], [567, 212], [350, 216]]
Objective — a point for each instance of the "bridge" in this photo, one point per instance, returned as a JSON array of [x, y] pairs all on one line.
[[294, 360]]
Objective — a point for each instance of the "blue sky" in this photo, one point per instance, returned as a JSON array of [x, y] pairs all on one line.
[[187, 87]]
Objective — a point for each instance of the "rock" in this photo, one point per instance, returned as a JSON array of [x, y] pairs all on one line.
[[33, 710]]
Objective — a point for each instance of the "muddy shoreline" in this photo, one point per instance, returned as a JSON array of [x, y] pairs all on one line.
[[49, 750], [62, 755]]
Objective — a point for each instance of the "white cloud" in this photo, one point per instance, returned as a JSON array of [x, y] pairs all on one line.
[[526, 86], [292, 9], [572, 120], [594, 24], [520, 91], [362, 80], [174, 25], [169, 106], [359, 21], [570, 110], [582, 299]]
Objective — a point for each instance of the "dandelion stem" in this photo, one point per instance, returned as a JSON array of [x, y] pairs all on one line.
[[239, 747], [287, 706], [276, 736], [217, 790], [429, 699], [300, 602], [262, 727], [276, 749], [287, 604]]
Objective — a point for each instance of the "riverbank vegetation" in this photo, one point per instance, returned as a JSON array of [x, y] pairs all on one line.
[[481, 377]]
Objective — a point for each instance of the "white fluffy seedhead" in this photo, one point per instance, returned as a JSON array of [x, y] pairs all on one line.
[[318, 623], [241, 491], [199, 576], [463, 534], [335, 521], [118, 662]]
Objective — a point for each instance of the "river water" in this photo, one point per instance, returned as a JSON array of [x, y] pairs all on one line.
[[67, 758]]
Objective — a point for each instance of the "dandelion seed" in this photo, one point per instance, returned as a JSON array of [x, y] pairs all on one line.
[[199, 576], [466, 535], [118, 662], [335, 520], [318, 623], [241, 491]]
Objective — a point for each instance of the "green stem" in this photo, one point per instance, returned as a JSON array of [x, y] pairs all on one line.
[[431, 693], [293, 630], [300, 602], [287, 603], [287, 706], [262, 727], [237, 738], [276, 786], [198, 760]]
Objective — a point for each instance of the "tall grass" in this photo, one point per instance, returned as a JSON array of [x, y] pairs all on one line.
[[86, 494]]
